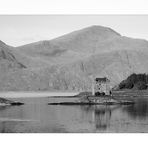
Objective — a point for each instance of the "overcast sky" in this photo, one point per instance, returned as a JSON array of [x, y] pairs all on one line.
[[19, 30]]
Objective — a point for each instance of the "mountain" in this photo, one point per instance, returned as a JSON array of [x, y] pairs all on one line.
[[80, 45], [79, 41], [67, 62], [71, 47]]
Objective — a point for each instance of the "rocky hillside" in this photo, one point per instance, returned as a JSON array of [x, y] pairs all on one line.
[[7, 59], [71, 47], [67, 62]]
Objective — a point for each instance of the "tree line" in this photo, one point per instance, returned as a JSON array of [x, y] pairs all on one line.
[[135, 81]]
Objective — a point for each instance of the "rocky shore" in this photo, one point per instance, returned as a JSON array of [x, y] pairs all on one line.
[[5, 102], [85, 99]]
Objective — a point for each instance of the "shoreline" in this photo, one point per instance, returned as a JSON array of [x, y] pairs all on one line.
[[67, 94], [32, 94]]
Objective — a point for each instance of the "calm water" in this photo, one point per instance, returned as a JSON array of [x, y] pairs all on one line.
[[37, 116]]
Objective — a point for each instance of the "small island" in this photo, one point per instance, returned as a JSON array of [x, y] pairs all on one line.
[[101, 95], [5, 102]]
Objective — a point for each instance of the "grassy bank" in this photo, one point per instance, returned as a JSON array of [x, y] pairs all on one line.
[[131, 93]]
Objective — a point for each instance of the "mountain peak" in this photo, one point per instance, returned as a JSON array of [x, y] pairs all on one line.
[[101, 28], [86, 40], [95, 32]]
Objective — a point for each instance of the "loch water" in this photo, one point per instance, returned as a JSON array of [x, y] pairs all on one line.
[[36, 116]]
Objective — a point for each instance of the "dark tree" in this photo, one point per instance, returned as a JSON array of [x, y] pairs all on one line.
[[136, 81], [140, 85]]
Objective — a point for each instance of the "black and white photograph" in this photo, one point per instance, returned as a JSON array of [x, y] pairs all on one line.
[[74, 73]]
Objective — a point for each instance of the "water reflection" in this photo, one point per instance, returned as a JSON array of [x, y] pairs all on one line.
[[101, 115], [4, 107], [37, 116], [139, 110]]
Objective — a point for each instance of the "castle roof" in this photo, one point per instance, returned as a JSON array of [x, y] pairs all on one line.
[[102, 80]]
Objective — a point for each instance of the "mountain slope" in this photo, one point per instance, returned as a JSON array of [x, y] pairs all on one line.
[[70, 47], [67, 62], [82, 40], [80, 45], [7, 59]]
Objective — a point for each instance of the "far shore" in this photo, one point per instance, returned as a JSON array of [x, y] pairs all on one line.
[[70, 94], [31, 94]]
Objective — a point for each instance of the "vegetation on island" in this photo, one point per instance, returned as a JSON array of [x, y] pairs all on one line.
[[135, 81]]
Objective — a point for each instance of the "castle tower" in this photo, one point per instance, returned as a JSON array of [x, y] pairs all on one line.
[[101, 85]]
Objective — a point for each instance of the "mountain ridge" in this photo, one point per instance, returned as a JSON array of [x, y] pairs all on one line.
[[66, 63]]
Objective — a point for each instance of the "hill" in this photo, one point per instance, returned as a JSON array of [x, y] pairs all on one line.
[[135, 81], [71, 47], [79, 45], [66, 63]]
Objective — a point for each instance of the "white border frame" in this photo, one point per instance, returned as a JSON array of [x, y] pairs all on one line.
[[73, 7]]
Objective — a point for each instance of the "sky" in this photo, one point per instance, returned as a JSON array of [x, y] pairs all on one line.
[[17, 30]]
